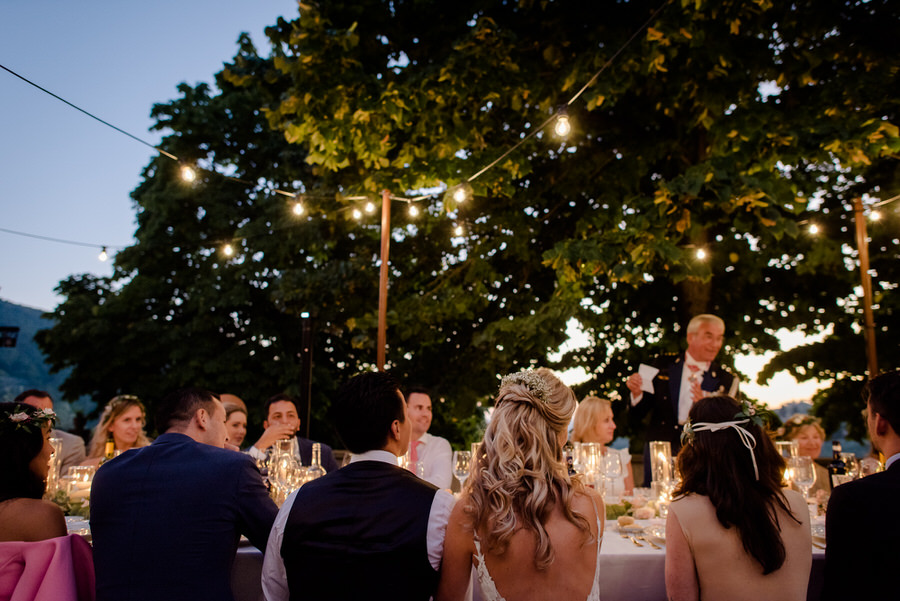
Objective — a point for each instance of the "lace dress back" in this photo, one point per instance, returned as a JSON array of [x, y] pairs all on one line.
[[489, 590]]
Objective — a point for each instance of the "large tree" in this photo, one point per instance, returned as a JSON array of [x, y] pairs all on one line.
[[724, 126]]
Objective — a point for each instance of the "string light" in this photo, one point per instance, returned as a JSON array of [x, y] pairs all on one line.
[[458, 230], [701, 254], [103, 256], [228, 250], [188, 174], [562, 127], [370, 207], [875, 215], [298, 208], [413, 211], [813, 229], [357, 214], [459, 195]]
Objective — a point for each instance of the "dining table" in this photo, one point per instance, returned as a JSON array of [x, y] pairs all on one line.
[[631, 569]]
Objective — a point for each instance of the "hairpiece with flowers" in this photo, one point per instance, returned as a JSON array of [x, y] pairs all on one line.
[[25, 421], [531, 380]]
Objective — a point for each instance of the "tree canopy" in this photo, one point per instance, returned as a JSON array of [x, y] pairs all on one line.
[[727, 127]]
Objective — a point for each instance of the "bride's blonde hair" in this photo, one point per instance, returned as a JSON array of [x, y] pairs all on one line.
[[519, 475]]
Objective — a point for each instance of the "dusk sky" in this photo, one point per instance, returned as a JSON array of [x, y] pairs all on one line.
[[67, 176]]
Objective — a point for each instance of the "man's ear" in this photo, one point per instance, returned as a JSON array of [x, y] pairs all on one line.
[[881, 425], [395, 429], [201, 418], [265, 424]]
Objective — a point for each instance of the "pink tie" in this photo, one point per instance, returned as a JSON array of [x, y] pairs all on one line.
[[414, 452]]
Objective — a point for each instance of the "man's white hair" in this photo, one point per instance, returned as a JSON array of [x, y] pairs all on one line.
[[699, 320]]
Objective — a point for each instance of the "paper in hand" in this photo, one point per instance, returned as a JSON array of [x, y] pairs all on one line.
[[647, 374]]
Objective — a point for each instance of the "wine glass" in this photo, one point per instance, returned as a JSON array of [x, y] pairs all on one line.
[[852, 465], [803, 472], [612, 471], [788, 449], [461, 463]]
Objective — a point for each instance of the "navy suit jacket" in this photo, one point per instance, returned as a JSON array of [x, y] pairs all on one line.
[[166, 520], [862, 529]]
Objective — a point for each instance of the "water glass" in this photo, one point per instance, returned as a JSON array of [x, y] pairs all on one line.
[[803, 473], [462, 461]]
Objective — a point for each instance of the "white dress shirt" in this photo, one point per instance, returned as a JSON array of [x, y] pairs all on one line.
[[274, 576], [685, 396], [437, 457]]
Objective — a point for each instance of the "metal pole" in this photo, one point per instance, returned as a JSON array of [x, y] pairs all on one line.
[[383, 278], [862, 246]]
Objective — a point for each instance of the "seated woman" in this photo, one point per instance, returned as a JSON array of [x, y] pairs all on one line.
[[810, 435], [594, 422], [235, 419], [530, 531], [733, 532], [25, 452], [123, 418]]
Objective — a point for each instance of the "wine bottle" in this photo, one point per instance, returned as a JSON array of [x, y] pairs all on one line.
[[837, 469], [569, 455], [315, 469], [109, 449]]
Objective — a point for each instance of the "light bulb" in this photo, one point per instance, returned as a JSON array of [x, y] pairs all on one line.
[[103, 256], [813, 229], [458, 230], [188, 174], [298, 208], [701, 254], [370, 207], [357, 214], [413, 211], [228, 250], [875, 215], [562, 127], [459, 195]]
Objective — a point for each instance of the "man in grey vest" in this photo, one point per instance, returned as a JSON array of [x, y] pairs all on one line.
[[345, 535]]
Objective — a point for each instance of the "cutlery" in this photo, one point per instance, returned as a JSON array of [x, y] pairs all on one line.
[[634, 540], [649, 542]]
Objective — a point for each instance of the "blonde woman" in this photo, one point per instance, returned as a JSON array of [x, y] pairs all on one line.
[[594, 422], [529, 530], [807, 430], [124, 417]]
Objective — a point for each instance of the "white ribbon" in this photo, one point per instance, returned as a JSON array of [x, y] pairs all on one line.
[[746, 437]]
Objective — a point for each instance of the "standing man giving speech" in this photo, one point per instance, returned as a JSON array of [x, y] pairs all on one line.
[[666, 389]]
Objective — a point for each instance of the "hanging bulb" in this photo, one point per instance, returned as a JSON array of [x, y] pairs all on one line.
[[357, 214], [562, 127], [228, 250], [298, 208], [413, 211], [188, 174], [875, 215], [701, 254], [813, 229], [103, 256], [370, 207], [459, 195], [458, 230]]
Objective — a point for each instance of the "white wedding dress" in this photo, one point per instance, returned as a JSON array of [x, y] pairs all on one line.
[[489, 590]]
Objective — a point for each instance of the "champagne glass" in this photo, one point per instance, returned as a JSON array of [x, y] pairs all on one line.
[[462, 461], [803, 472]]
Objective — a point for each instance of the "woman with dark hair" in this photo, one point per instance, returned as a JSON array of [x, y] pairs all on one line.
[[733, 532], [529, 530], [25, 452]]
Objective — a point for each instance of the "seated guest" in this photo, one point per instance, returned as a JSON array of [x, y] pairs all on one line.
[[166, 519], [433, 452], [235, 418], [862, 526], [369, 530], [72, 452], [530, 531], [593, 422], [282, 422], [25, 452], [123, 418], [733, 532], [807, 430]]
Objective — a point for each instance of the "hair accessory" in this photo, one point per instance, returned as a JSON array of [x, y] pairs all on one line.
[[531, 380], [25, 421], [687, 434]]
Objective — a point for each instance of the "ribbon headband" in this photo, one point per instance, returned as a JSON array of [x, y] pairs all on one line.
[[746, 438]]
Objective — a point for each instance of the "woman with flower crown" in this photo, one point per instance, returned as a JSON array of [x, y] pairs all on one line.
[[530, 530], [25, 452], [733, 531]]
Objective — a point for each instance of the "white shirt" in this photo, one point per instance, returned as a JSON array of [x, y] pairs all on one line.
[[437, 457], [891, 459], [274, 576], [685, 397]]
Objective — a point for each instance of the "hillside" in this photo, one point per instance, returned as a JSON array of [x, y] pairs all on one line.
[[23, 367]]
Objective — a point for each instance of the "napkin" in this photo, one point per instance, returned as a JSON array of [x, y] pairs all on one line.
[[647, 374]]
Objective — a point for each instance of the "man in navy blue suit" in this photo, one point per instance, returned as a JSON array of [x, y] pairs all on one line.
[[862, 526], [166, 519], [680, 381], [370, 530], [282, 422]]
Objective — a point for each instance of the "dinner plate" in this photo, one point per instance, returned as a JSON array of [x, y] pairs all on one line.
[[630, 528], [657, 533]]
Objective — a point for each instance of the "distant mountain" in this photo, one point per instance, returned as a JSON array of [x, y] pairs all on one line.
[[23, 366]]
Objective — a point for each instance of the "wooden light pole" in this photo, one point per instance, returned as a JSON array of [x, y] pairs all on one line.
[[862, 246], [383, 277]]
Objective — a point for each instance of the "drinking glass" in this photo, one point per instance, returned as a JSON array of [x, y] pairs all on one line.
[[788, 449], [803, 473], [869, 466], [852, 465], [612, 472], [661, 460], [462, 461]]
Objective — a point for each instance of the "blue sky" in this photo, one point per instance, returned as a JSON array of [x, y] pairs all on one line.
[[64, 175]]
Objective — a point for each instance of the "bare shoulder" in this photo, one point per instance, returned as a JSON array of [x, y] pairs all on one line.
[[32, 520]]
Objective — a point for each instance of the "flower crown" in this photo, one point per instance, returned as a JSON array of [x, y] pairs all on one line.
[[25, 421], [531, 380]]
